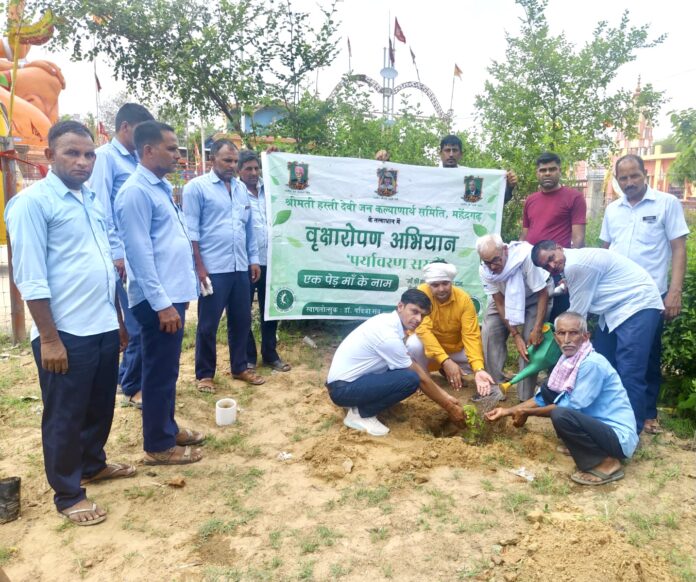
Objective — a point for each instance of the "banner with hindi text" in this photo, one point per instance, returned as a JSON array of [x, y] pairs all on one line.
[[348, 236]]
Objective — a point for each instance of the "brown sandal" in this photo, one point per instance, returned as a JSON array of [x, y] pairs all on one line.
[[112, 471], [206, 386], [250, 377], [173, 456], [187, 437]]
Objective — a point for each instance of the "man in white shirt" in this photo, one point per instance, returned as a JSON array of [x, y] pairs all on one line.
[[520, 304], [627, 302], [648, 227], [371, 369]]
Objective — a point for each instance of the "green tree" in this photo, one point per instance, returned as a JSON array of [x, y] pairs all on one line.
[[684, 167], [548, 95], [201, 57]]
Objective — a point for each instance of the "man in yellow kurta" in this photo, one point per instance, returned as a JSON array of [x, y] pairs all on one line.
[[449, 338]]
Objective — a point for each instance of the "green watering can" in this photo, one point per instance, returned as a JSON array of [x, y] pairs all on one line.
[[541, 357]]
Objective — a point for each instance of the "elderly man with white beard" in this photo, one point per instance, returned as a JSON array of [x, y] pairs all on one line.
[[519, 305]]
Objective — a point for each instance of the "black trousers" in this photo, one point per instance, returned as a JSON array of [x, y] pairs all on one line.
[[589, 440], [268, 328], [78, 410]]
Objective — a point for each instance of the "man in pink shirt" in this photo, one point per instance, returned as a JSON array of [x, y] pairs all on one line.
[[554, 213]]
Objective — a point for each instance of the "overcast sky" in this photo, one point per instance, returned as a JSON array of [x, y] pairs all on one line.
[[472, 34]]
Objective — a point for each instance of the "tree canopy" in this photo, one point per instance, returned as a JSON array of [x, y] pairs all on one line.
[[684, 125]]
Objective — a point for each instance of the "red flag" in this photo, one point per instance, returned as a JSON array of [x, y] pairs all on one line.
[[413, 57], [35, 131], [96, 79], [350, 52], [457, 71], [391, 54], [398, 33]]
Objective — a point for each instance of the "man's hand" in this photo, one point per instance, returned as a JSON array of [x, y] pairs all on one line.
[[120, 266], [169, 319], [519, 417], [454, 410], [535, 336], [271, 149], [497, 414], [202, 274], [673, 304], [453, 373], [483, 382], [122, 337], [521, 347], [511, 179], [54, 356], [255, 272]]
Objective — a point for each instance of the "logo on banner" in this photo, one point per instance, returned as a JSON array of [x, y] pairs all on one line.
[[298, 178], [284, 299], [387, 182], [473, 186]]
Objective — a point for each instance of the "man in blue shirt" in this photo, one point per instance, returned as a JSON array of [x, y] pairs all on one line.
[[62, 266], [161, 282], [218, 215], [628, 304], [249, 168], [116, 161], [587, 403], [648, 227]]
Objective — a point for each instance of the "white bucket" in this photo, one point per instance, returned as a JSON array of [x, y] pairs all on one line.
[[225, 411]]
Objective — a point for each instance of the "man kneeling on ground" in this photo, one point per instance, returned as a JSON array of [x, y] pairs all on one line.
[[587, 403], [371, 369]]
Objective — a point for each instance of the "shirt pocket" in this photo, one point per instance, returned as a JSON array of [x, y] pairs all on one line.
[[650, 229]]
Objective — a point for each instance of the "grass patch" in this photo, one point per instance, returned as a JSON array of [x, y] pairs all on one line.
[[378, 534], [6, 554], [236, 442], [546, 483], [515, 502], [215, 527], [306, 571], [142, 493], [682, 565], [322, 536], [440, 507], [683, 428]]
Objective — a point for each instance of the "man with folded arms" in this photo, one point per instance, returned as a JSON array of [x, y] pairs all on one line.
[[371, 369], [520, 299], [62, 266], [449, 337], [587, 404]]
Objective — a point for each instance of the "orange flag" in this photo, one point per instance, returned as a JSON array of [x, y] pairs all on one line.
[[457, 71]]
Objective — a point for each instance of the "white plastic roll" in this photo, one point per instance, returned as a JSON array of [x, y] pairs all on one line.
[[225, 412]]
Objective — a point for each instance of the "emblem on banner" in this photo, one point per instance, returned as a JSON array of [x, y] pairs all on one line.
[[284, 299], [387, 182], [473, 186], [298, 175]]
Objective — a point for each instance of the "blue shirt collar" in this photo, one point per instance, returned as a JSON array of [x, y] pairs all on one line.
[[154, 180], [649, 195], [122, 149], [59, 187]]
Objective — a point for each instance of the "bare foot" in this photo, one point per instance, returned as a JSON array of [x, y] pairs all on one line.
[[84, 512]]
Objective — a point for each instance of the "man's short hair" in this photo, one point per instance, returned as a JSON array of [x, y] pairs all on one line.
[[218, 144], [451, 140], [68, 126], [149, 133], [247, 156], [486, 239], [572, 315], [548, 158], [627, 158], [416, 297], [542, 245], [132, 114]]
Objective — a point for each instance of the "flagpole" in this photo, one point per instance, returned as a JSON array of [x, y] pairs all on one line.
[[452, 95]]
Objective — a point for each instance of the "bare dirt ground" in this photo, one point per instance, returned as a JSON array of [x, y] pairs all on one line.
[[420, 504]]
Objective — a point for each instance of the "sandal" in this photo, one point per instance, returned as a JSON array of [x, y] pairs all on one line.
[[112, 471], [68, 515], [188, 437], [279, 365], [206, 386], [604, 477], [173, 456], [134, 403], [250, 377], [652, 426]]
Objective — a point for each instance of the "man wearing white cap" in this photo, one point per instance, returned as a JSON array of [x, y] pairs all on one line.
[[449, 337], [520, 304]]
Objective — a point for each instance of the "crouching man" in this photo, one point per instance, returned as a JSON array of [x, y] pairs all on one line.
[[371, 369], [587, 403]]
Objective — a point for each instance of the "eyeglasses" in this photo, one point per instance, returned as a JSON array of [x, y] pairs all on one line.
[[567, 334], [494, 261]]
